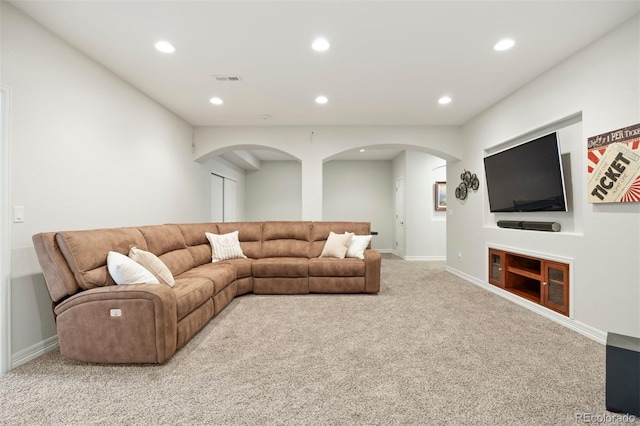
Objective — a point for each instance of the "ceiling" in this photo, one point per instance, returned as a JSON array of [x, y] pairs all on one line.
[[389, 61]]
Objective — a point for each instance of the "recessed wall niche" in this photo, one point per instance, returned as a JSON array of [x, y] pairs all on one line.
[[571, 147]]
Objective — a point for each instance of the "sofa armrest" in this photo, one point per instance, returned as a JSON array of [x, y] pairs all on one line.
[[119, 324], [372, 265]]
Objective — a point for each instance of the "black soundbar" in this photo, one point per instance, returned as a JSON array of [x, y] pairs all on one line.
[[531, 226]]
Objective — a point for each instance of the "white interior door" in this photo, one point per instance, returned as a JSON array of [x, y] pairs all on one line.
[[399, 249], [217, 198], [229, 200], [223, 199]]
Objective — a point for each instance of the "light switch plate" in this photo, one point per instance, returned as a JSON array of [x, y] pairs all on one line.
[[18, 214]]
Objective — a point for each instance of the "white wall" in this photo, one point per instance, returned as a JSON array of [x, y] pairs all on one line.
[[599, 88], [274, 192], [426, 228], [87, 151], [361, 191]]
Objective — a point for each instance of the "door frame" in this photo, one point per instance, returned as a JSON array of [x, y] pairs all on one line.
[[399, 203], [5, 234]]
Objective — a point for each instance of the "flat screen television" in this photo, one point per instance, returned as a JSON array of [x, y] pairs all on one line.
[[527, 177]]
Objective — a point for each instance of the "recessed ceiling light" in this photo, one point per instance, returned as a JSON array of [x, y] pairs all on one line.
[[216, 101], [320, 45], [322, 99], [444, 100], [362, 150], [504, 44], [165, 47]]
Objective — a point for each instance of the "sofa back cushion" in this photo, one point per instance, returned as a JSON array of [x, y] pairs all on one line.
[[320, 232], [286, 239], [86, 252], [58, 276], [196, 240], [249, 235], [167, 242]]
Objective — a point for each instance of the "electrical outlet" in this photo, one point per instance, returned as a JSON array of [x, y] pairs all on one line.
[[460, 255], [116, 312]]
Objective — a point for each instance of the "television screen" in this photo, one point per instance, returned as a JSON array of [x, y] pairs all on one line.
[[527, 177]]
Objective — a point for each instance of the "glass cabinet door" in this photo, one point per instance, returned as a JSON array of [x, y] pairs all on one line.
[[556, 287], [496, 267]]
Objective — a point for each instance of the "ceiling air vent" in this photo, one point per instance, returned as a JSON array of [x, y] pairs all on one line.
[[227, 77]]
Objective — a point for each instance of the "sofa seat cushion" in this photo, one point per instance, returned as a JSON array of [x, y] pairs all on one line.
[[219, 273], [242, 266], [191, 292], [280, 267], [333, 267]]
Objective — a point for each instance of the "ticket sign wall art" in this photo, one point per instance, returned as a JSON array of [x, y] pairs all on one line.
[[614, 166]]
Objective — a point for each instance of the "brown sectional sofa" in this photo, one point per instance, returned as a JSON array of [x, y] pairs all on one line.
[[99, 321]]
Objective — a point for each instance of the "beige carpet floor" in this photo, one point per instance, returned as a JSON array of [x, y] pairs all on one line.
[[430, 348]]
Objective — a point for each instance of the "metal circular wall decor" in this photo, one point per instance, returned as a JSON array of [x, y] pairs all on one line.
[[469, 181], [475, 183], [466, 177], [461, 191]]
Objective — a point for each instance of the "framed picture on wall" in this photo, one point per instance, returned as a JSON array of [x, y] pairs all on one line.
[[440, 190]]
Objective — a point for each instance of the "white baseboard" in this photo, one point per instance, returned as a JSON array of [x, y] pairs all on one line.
[[34, 351], [586, 330], [414, 258], [424, 258]]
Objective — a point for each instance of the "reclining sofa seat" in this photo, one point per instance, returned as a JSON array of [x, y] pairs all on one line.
[[99, 321]]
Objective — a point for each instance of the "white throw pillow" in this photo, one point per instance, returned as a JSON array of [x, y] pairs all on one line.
[[127, 271], [358, 245], [225, 246], [153, 264], [336, 245]]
